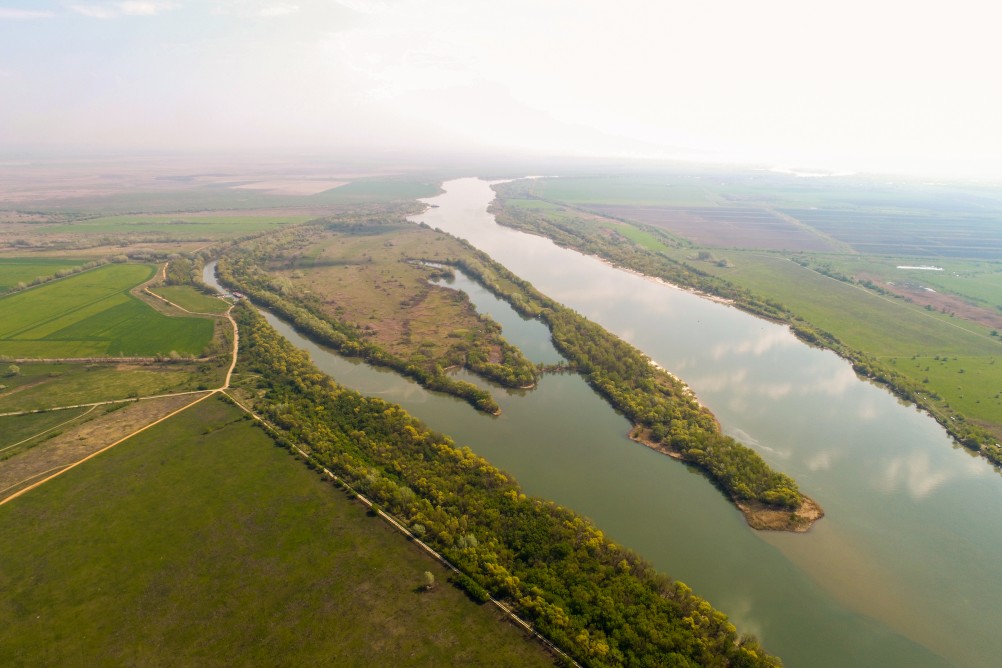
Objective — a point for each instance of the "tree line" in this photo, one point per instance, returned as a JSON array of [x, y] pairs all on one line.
[[602, 604], [660, 405]]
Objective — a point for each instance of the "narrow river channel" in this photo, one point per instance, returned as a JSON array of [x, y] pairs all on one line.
[[900, 573]]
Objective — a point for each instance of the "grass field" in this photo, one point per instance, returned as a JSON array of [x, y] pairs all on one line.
[[40, 386], [885, 327], [633, 190], [179, 226], [191, 299], [92, 314], [200, 543], [14, 270]]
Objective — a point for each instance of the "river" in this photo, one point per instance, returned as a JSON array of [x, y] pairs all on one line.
[[901, 572]]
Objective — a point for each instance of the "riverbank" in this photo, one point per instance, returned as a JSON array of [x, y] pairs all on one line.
[[982, 438]]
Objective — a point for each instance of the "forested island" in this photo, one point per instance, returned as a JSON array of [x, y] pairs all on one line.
[[665, 414]]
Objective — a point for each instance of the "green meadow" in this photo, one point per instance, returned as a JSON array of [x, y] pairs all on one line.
[[176, 226], [191, 299], [198, 542], [92, 314], [885, 327], [14, 270]]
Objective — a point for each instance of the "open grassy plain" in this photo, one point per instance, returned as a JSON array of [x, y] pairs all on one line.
[[175, 226], [92, 314], [14, 270], [33, 462], [190, 299], [199, 543]]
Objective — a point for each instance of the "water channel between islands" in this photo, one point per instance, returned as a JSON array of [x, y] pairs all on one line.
[[902, 570]]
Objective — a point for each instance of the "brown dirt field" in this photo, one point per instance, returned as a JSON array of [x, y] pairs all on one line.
[[940, 301], [80, 440], [723, 227]]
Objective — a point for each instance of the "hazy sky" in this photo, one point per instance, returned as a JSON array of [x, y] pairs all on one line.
[[855, 85]]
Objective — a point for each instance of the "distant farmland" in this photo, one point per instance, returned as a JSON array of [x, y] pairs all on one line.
[[92, 314], [179, 226], [876, 232], [727, 227]]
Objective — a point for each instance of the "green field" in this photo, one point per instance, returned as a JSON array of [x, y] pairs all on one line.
[[183, 202], [92, 314], [176, 226], [191, 299], [14, 270], [888, 328], [978, 281], [43, 385], [200, 543]]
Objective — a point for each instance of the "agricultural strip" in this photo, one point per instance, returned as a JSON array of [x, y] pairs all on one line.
[[93, 315], [176, 226], [200, 541], [14, 270]]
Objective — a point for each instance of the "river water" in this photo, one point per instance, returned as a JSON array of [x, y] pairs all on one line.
[[902, 570]]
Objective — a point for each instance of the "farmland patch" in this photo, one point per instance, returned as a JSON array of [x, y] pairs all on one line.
[[93, 315]]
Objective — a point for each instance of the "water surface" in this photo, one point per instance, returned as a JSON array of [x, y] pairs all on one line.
[[900, 573]]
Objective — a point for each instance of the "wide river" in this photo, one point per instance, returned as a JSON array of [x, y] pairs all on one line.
[[902, 571]]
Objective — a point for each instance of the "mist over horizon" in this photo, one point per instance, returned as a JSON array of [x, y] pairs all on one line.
[[862, 88]]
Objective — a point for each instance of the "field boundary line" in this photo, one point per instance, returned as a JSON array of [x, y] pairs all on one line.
[[107, 447], [31, 477], [110, 401], [76, 417]]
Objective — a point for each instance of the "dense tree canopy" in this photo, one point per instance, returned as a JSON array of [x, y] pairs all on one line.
[[601, 603]]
